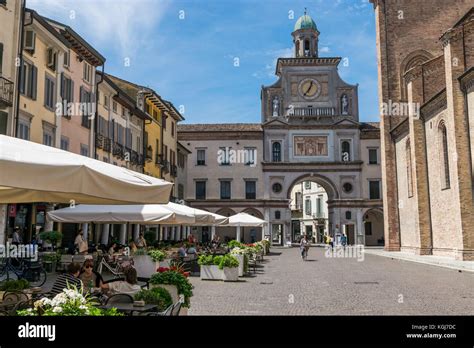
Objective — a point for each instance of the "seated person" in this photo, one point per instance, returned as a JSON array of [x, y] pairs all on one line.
[[71, 278], [128, 286], [182, 250], [192, 250], [90, 278], [133, 247]]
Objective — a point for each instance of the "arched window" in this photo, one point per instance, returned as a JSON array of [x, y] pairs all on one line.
[[276, 152], [444, 156], [306, 48], [409, 168], [297, 49], [345, 151]]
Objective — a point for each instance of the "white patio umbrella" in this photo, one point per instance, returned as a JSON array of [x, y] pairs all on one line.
[[244, 220], [149, 214], [31, 172], [202, 217]]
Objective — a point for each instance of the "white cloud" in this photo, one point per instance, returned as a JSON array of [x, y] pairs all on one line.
[[120, 24]]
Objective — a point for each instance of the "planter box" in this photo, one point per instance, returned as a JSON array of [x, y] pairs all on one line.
[[230, 274], [211, 272], [172, 289], [145, 266], [241, 264]]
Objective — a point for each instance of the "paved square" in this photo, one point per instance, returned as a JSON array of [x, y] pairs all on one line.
[[286, 285]]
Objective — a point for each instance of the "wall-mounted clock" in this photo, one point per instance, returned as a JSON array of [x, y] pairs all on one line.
[[309, 89]]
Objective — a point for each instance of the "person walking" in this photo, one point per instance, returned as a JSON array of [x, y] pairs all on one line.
[[343, 240], [304, 246]]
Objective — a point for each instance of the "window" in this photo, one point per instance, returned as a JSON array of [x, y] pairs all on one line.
[[224, 156], [277, 187], [52, 56], [347, 187], [64, 143], [373, 156], [446, 183], [24, 130], [29, 79], [250, 189], [345, 151], [277, 215], [409, 168], [319, 207], [84, 150], [307, 206], [30, 41], [106, 101], [374, 189], [85, 100], [114, 106], [180, 191], [250, 153], [225, 189], [348, 215], [276, 152], [67, 91], [200, 190], [307, 185], [1, 57], [163, 121], [49, 92], [48, 136], [87, 73], [368, 228], [172, 128], [67, 59], [298, 200]]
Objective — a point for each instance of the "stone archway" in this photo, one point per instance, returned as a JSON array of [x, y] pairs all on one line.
[[374, 228], [316, 226]]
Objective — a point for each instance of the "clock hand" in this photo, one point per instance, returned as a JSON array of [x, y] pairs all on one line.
[[309, 88]]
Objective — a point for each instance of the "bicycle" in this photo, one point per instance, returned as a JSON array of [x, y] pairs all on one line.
[[33, 272], [304, 253], [116, 267]]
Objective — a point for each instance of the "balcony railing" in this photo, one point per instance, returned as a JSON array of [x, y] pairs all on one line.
[[165, 166], [158, 159], [6, 92], [297, 207], [99, 141], [326, 111], [149, 153], [134, 157], [107, 144], [118, 150], [174, 171], [319, 215]]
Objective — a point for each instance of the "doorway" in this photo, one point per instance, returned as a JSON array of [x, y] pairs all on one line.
[[350, 232], [277, 234]]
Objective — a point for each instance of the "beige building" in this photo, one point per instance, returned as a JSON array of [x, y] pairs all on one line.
[[427, 150]]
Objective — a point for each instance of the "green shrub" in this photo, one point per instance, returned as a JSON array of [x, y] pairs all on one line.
[[205, 260], [218, 260], [157, 296], [52, 237], [228, 261], [51, 257], [172, 277], [156, 255], [14, 285], [233, 243]]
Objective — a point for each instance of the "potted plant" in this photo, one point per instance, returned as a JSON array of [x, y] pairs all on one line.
[[52, 238], [230, 268], [174, 277], [147, 262], [242, 256], [13, 285], [50, 261], [210, 267], [157, 296]]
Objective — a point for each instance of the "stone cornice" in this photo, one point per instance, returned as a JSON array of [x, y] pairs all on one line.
[[434, 106], [306, 61], [238, 203], [354, 166], [467, 80], [400, 130], [220, 136], [356, 203]]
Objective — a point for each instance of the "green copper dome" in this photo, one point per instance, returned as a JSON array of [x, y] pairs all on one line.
[[305, 22]]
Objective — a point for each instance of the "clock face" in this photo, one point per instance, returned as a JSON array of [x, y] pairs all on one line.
[[309, 88]]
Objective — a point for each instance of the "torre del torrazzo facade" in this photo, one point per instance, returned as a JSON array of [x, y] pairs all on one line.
[[310, 137]]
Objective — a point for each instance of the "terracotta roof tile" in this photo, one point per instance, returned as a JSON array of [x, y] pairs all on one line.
[[222, 127]]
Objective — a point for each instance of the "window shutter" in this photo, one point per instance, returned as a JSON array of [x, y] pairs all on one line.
[[34, 82], [71, 91], [1, 57], [23, 78]]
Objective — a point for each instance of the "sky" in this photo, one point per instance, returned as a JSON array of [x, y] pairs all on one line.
[[211, 57]]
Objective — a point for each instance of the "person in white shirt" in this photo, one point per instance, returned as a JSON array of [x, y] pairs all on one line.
[[80, 243], [128, 286]]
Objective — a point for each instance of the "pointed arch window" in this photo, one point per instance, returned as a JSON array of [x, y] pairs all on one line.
[[409, 168], [276, 152], [444, 156]]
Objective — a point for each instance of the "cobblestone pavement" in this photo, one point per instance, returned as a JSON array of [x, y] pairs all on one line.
[[286, 285]]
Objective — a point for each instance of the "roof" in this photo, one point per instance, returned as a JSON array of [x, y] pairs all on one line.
[[305, 22], [222, 127], [41, 20], [370, 126], [78, 43]]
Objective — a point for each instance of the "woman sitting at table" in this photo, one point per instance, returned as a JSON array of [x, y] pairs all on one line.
[[128, 286], [90, 278]]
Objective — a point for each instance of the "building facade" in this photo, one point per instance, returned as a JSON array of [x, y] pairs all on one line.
[[310, 132], [427, 151]]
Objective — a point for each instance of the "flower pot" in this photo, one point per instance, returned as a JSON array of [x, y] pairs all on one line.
[[211, 272], [172, 289], [241, 264], [230, 274], [145, 266]]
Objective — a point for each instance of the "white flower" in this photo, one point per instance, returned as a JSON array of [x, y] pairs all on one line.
[[82, 307], [57, 309]]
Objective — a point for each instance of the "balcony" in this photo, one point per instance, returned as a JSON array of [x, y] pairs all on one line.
[[134, 157], [99, 141], [140, 160], [174, 171], [319, 215], [6, 92], [297, 207], [107, 144], [313, 112], [165, 166], [149, 153], [118, 150], [158, 159]]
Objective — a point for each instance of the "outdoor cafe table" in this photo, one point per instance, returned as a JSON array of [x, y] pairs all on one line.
[[129, 307]]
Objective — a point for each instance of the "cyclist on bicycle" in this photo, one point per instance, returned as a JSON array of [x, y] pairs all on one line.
[[304, 246]]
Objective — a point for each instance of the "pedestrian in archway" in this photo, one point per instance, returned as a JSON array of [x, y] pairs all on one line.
[[304, 246]]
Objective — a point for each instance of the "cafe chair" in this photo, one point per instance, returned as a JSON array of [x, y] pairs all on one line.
[[119, 298]]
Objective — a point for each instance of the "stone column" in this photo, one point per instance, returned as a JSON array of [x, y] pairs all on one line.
[[123, 233], [105, 234], [3, 223], [48, 226], [85, 229], [136, 231], [360, 231], [459, 136], [420, 179], [237, 238], [213, 231]]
